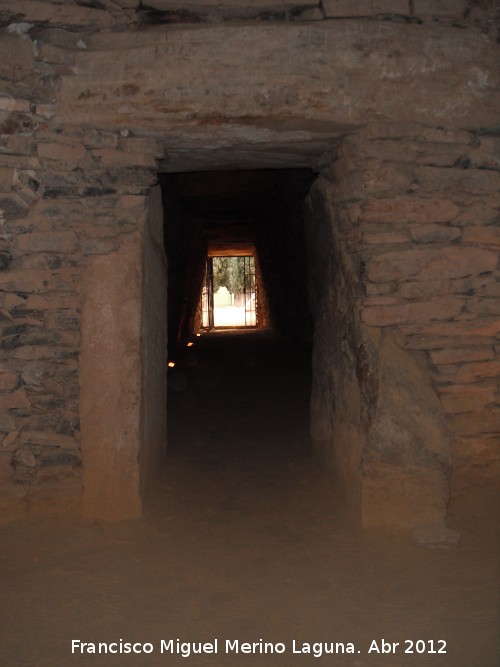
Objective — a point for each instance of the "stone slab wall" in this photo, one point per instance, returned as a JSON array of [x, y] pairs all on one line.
[[153, 351], [406, 224], [93, 99], [106, 14]]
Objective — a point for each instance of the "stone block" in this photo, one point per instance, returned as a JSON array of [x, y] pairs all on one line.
[[19, 144], [489, 236], [310, 14], [141, 146], [475, 372], [19, 161], [39, 281], [422, 290], [122, 159], [14, 399], [64, 13], [10, 301], [484, 449], [438, 309], [29, 352], [485, 420], [430, 135], [465, 398], [7, 422], [53, 301], [474, 181], [381, 130], [478, 213], [8, 380], [199, 100], [9, 442], [405, 210], [99, 246], [56, 55], [432, 233], [487, 155], [12, 207], [453, 9], [476, 328], [462, 354], [16, 58], [347, 8], [26, 183], [54, 242], [426, 342], [484, 307], [67, 156], [6, 179], [13, 104], [377, 289], [17, 123], [111, 440], [97, 139], [492, 290], [49, 439], [379, 238], [432, 263], [416, 151], [131, 202], [381, 300], [43, 260], [68, 40], [380, 178]]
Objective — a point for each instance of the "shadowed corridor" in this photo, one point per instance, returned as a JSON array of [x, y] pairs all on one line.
[[239, 402], [244, 541]]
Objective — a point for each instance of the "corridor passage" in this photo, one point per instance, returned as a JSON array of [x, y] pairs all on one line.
[[238, 431], [245, 542]]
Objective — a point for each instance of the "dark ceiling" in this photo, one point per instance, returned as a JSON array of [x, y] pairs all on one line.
[[228, 204]]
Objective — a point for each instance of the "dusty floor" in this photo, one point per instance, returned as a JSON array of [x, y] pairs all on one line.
[[244, 542]]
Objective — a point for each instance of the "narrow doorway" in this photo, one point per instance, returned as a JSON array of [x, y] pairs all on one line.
[[229, 296], [235, 243], [239, 393]]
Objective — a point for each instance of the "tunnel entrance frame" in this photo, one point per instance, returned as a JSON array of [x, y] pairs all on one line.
[[249, 293], [134, 448]]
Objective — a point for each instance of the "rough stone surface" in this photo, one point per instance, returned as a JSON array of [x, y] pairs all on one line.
[[110, 438], [345, 8], [395, 103], [409, 444]]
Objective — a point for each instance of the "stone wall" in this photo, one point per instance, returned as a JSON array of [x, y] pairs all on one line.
[[404, 259], [402, 98]]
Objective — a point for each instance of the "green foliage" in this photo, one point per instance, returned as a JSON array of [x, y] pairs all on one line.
[[229, 272]]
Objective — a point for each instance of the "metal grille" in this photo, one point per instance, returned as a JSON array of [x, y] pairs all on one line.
[[229, 293]]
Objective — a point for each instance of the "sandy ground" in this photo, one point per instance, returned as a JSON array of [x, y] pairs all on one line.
[[244, 541]]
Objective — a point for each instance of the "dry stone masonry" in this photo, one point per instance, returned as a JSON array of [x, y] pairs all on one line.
[[394, 103]]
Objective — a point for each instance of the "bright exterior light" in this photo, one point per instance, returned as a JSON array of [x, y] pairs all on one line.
[[190, 344], [171, 364], [198, 334]]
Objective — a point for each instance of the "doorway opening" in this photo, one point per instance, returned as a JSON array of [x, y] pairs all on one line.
[[237, 273], [361, 380], [236, 251], [229, 296]]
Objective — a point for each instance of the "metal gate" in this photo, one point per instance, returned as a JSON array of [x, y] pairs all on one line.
[[249, 291], [207, 297], [237, 276]]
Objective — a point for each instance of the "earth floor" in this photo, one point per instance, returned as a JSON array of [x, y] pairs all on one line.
[[245, 540]]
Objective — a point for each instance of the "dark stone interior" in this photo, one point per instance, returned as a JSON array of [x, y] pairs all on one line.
[[255, 212]]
